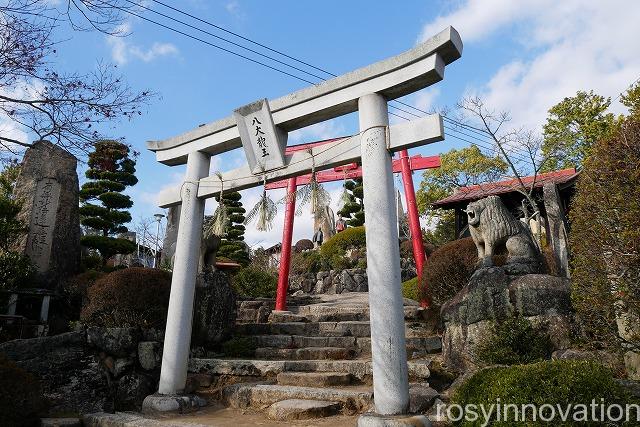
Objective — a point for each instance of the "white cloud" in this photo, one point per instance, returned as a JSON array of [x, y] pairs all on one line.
[[565, 47], [233, 7], [122, 50]]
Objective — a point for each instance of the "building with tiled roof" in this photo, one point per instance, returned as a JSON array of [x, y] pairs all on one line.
[[508, 191]]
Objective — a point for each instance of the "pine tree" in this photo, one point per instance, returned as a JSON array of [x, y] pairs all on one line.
[[353, 210], [232, 245], [103, 208]]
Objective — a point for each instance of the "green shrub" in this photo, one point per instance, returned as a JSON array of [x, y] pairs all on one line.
[[21, 400], [16, 270], [515, 341], [239, 347], [449, 269], [334, 250], [605, 235], [351, 238], [127, 298], [307, 262], [255, 283], [410, 289], [558, 382]]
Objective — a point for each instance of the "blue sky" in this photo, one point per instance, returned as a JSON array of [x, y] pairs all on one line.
[[522, 57]]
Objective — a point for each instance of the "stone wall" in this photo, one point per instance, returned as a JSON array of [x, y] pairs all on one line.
[[92, 369], [340, 281]]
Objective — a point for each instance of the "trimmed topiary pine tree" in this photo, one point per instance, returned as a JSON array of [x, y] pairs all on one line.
[[353, 210], [104, 208], [232, 245]]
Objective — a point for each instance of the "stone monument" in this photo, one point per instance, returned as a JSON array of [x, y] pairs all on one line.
[[326, 221], [170, 235], [48, 189]]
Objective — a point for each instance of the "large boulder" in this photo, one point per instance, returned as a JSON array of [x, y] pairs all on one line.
[[119, 342], [492, 295], [215, 309]]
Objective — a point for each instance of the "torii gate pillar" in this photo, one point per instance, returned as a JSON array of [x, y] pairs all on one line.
[[388, 350], [177, 337]]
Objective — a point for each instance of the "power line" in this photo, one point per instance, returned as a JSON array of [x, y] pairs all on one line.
[[242, 37], [213, 45], [477, 131], [627, 88], [222, 38]]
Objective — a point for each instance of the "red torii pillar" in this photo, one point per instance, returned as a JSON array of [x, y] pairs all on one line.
[[405, 165], [414, 222], [285, 253]]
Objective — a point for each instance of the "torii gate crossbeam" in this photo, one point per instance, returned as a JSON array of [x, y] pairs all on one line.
[[367, 91]]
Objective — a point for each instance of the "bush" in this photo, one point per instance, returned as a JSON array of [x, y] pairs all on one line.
[[255, 283], [559, 382], [605, 235], [351, 238], [307, 262], [449, 269], [21, 400], [334, 250], [410, 289], [75, 293], [127, 298], [515, 341], [16, 270]]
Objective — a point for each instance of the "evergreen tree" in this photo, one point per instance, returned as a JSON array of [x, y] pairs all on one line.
[[353, 210], [103, 208], [232, 245]]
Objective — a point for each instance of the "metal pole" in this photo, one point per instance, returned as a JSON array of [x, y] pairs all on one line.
[[285, 254], [175, 356], [388, 350], [414, 222]]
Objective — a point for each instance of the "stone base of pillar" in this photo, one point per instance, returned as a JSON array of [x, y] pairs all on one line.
[[159, 404], [377, 420]]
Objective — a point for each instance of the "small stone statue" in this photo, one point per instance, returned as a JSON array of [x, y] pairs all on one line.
[[492, 225], [208, 248]]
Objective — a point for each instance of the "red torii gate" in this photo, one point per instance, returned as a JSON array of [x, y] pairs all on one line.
[[404, 164]]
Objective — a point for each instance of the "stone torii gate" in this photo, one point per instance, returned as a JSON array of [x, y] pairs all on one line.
[[365, 90]]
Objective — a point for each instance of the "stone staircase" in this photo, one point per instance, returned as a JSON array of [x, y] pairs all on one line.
[[314, 360]]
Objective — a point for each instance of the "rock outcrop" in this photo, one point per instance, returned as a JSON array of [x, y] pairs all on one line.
[[492, 295]]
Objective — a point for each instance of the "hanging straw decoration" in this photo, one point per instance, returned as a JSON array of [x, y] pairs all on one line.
[[313, 193], [264, 211], [219, 222]]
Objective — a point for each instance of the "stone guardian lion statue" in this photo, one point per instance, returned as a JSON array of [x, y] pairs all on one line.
[[492, 225]]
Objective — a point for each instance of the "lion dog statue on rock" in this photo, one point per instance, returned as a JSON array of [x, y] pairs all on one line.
[[492, 225]]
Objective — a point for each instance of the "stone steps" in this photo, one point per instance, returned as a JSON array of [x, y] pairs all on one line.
[[351, 400], [362, 345], [307, 353], [314, 379], [331, 313], [358, 328], [302, 409], [360, 370]]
